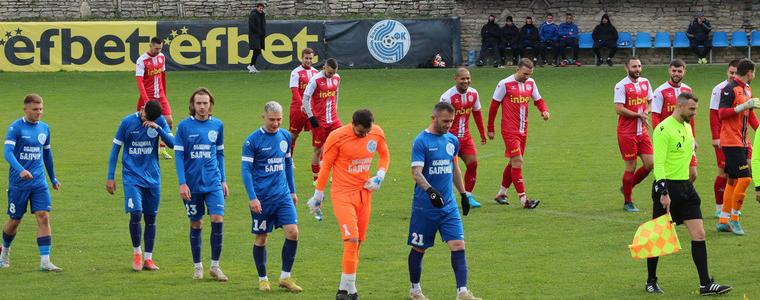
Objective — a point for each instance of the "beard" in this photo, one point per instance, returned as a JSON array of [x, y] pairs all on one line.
[[634, 74]]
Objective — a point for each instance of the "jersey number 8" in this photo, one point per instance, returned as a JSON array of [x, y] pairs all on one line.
[[12, 208]]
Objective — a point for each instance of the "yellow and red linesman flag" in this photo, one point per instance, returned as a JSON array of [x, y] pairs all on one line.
[[655, 238]]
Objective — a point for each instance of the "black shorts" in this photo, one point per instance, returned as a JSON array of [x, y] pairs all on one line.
[[736, 162], [684, 201]]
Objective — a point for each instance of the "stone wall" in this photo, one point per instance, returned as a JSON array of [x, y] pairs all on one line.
[[626, 15]]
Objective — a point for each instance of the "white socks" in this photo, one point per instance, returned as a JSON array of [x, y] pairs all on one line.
[[214, 263], [284, 274], [148, 255], [137, 250], [348, 283]]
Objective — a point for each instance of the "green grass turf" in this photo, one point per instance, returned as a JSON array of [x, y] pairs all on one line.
[[574, 245]]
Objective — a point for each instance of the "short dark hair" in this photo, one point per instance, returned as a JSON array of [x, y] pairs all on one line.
[[685, 97], [152, 110], [156, 40], [260, 4], [569, 14], [363, 117], [525, 63], [630, 58], [549, 15], [744, 67], [32, 98], [529, 17], [200, 91], [332, 63], [734, 63], [677, 63], [443, 106]]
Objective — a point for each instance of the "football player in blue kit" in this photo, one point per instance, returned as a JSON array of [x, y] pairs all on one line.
[[267, 172], [434, 208], [138, 133], [199, 150], [27, 151]]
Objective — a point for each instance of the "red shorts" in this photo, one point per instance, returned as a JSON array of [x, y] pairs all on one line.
[[166, 109], [352, 211], [631, 145], [467, 146], [319, 134], [720, 158], [298, 120], [514, 144]]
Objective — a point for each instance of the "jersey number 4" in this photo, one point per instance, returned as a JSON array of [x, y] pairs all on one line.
[[417, 239]]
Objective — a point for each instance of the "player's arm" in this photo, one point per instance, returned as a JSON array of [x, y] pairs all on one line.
[[163, 79], [166, 133], [306, 105], [330, 152], [660, 145], [220, 159], [619, 100], [373, 184], [657, 105], [477, 115], [458, 182], [47, 158], [295, 95], [419, 152], [727, 108], [289, 167], [419, 178], [118, 141], [498, 96], [179, 154], [246, 172], [139, 73], [10, 145], [539, 102]]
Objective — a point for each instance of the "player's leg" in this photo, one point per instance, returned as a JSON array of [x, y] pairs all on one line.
[[452, 232], [517, 146], [287, 218], [346, 214], [506, 181], [422, 231], [468, 153], [215, 204], [195, 208], [17, 202], [645, 151], [261, 226], [133, 205], [318, 138], [628, 151], [150, 203], [40, 206], [657, 210], [719, 186]]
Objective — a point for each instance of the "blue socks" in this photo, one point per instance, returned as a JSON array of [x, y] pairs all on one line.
[[195, 244], [288, 254], [216, 240], [415, 265], [260, 259], [7, 239], [150, 232], [43, 243], [459, 263], [135, 230]]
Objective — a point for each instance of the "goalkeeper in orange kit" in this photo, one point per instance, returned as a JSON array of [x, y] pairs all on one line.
[[348, 152]]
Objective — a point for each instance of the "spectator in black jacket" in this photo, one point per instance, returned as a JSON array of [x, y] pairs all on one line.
[[605, 36], [489, 41], [510, 35], [699, 35], [529, 39], [257, 31]]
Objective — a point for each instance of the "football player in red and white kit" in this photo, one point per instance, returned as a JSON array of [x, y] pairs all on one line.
[[466, 100], [720, 181], [633, 96], [299, 79], [664, 102], [150, 72], [513, 95], [320, 103]]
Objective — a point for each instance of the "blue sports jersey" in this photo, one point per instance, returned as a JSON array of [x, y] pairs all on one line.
[[27, 147], [435, 153], [140, 158], [267, 167], [199, 148]]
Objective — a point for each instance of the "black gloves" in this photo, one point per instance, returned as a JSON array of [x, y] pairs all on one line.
[[435, 197], [465, 204], [314, 122]]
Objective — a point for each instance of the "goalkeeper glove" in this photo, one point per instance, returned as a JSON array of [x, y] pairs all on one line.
[[373, 184], [465, 204], [751, 103], [435, 197], [315, 204], [314, 122]]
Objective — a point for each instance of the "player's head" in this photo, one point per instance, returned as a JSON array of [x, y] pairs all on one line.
[[330, 67], [151, 111], [33, 108], [524, 69], [362, 122], [677, 70], [442, 117], [528, 20], [272, 116], [731, 71], [491, 18], [156, 44], [568, 17], [549, 18], [307, 57], [201, 103], [509, 20], [633, 67], [462, 78], [745, 70], [686, 106], [260, 6]]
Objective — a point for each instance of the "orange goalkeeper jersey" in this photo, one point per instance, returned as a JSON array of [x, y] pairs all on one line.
[[350, 158]]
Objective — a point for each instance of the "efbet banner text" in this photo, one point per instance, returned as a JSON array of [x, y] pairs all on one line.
[[223, 45]]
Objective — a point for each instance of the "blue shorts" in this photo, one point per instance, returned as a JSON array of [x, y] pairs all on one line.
[[141, 199], [275, 213], [199, 202], [18, 199], [425, 222]]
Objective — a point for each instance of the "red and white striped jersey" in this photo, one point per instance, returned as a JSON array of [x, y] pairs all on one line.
[[664, 99], [152, 70], [715, 96], [635, 96], [300, 78], [320, 98], [715, 121], [464, 104], [514, 97]]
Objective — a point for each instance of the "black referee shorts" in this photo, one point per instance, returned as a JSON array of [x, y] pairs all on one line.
[[736, 162], [684, 201]]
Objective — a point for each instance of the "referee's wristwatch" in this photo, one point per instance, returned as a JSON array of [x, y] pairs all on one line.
[[660, 187]]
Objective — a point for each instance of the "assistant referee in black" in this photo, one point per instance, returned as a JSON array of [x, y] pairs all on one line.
[[673, 142]]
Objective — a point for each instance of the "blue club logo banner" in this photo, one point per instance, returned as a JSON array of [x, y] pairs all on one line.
[[388, 41]]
